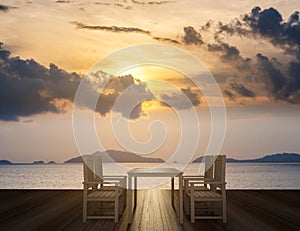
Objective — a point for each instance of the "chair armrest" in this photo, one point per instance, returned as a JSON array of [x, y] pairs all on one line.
[[92, 182], [217, 182], [202, 179], [114, 177], [213, 185], [196, 177], [207, 182], [192, 176], [100, 182], [121, 180]]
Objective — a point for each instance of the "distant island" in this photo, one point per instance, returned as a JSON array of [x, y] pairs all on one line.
[[273, 158], [37, 162], [5, 162], [127, 157], [118, 156]]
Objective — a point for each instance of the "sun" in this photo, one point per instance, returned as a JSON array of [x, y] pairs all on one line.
[[146, 73], [159, 80], [140, 73]]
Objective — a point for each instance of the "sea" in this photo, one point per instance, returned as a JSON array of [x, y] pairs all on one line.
[[70, 176]]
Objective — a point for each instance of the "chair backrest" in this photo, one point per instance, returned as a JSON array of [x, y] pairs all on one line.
[[209, 167], [92, 168], [220, 168]]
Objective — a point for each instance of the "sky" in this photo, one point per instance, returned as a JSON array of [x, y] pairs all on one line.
[[251, 49]]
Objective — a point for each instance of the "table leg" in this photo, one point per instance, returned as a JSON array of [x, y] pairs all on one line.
[[180, 200], [129, 204], [172, 190], [135, 191]]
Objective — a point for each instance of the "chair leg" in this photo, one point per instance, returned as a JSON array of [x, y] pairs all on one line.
[[125, 198], [224, 210], [192, 210], [84, 209], [185, 203], [116, 209]]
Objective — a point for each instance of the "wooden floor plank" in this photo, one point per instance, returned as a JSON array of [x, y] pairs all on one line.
[[62, 210]]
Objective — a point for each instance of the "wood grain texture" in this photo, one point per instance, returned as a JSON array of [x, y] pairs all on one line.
[[257, 210]]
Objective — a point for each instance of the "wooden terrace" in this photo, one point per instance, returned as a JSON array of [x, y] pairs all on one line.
[[62, 210]]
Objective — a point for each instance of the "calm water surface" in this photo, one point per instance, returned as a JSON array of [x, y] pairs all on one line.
[[70, 176]]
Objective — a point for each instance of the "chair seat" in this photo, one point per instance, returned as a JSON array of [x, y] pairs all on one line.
[[101, 194], [108, 188], [201, 188], [206, 194]]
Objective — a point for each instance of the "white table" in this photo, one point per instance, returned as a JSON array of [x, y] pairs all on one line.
[[153, 172]]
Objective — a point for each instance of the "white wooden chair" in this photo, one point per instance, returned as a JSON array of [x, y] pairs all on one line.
[[214, 193], [98, 191]]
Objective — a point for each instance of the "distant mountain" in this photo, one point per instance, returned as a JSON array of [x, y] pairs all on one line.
[[38, 162], [119, 156], [5, 162], [274, 158]]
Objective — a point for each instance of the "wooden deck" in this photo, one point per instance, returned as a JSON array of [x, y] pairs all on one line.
[[62, 210]]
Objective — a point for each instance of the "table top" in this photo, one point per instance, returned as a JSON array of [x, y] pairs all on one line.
[[154, 172]]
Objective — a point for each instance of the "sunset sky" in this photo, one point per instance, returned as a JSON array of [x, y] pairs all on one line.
[[251, 48]]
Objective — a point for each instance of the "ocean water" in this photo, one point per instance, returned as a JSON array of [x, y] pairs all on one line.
[[70, 176]]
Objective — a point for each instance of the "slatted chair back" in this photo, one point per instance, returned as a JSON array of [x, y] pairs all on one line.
[[220, 169], [209, 167], [92, 167]]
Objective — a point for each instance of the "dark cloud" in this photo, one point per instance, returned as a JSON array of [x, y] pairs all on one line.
[[207, 25], [137, 91], [28, 88], [162, 39], [194, 97], [242, 90], [137, 112], [177, 99], [62, 1], [152, 2], [111, 28], [280, 79], [191, 36], [293, 87], [229, 94], [228, 52], [283, 83], [269, 24], [294, 73], [270, 74], [160, 2], [4, 8], [129, 7], [103, 3], [138, 2], [123, 6], [117, 29]]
